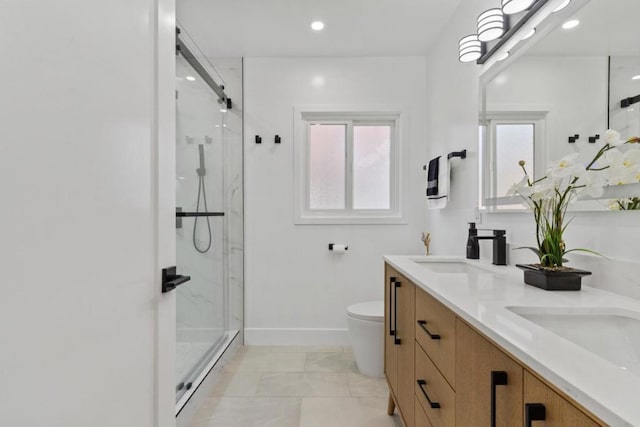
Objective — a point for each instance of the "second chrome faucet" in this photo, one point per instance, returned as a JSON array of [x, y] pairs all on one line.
[[499, 244]]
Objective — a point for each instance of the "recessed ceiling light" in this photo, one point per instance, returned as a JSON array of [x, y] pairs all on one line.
[[317, 25], [636, 77], [503, 56], [529, 34], [571, 24], [562, 5], [191, 78]]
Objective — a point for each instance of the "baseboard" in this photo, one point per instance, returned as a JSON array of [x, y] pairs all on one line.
[[295, 336]]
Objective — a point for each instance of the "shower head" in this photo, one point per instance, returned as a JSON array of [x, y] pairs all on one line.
[[202, 171]]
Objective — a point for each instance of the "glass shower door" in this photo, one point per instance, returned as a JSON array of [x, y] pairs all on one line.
[[200, 305]]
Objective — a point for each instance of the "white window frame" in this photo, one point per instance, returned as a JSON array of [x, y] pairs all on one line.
[[304, 117], [489, 152]]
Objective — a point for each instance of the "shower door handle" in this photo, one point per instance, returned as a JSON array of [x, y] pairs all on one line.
[[171, 280]]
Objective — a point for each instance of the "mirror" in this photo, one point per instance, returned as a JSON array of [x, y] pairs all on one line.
[[560, 95]]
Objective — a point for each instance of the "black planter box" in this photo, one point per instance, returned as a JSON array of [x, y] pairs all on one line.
[[549, 280]]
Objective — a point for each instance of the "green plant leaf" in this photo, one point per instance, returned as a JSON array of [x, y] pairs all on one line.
[[587, 251]]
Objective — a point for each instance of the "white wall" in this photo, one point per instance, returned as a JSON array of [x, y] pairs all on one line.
[[296, 291], [453, 89], [84, 128]]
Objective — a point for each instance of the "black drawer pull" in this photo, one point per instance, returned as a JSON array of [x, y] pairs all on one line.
[[392, 280], [422, 384], [497, 378], [423, 325], [534, 412], [397, 341]]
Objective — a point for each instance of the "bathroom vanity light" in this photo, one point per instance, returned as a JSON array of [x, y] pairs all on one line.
[[636, 77], [503, 56], [509, 7], [490, 25], [469, 48], [501, 24], [562, 5], [529, 34]]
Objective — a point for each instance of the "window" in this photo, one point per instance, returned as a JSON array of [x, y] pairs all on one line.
[[347, 167], [511, 137]]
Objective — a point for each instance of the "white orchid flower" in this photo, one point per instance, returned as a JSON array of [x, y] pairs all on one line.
[[518, 186], [614, 158], [567, 166], [631, 158], [613, 138], [620, 175], [593, 183]]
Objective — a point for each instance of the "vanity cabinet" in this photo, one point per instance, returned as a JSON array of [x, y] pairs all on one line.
[[489, 387], [399, 341], [558, 412], [443, 373]]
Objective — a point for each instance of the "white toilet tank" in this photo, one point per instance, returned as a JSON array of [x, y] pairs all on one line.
[[366, 332]]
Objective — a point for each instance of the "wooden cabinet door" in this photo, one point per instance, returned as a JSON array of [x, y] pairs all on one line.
[[405, 333], [390, 348], [421, 419], [488, 382], [558, 412]]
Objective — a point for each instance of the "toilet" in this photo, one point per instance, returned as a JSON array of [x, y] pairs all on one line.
[[366, 333]]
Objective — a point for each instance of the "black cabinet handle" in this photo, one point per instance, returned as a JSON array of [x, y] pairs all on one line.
[[497, 378], [422, 384], [392, 280], [534, 412], [397, 341], [171, 280], [423, 325]]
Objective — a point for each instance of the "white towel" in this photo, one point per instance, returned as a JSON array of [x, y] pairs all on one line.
[[439, 201]]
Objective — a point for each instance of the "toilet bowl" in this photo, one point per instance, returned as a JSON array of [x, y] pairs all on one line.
[[366, 333]]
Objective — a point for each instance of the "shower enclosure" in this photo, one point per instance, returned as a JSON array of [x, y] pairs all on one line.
[[209, 212]]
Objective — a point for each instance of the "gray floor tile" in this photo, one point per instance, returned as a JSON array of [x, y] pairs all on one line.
[[319, 384], [330, 362]]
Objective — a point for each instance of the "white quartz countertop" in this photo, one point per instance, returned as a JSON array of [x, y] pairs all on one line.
[[482, 299]]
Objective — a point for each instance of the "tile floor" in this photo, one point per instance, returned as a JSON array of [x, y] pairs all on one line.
[[295, 387]]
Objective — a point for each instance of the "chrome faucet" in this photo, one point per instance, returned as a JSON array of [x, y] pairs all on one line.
[[499, 244]]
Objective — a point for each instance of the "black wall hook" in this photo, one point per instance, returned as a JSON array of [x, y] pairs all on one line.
[[574, 138], [258, 139], [593, 139], [278, 140]]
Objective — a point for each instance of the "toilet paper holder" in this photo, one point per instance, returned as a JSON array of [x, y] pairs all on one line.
[[346, 248]]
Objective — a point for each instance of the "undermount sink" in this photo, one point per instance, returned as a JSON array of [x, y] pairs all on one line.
[[613, 334], [451, 267]]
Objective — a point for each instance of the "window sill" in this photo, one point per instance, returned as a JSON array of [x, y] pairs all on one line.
[[349, 220]]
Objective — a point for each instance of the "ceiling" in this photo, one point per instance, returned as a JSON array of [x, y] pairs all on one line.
[[607, 27], [227, 28]]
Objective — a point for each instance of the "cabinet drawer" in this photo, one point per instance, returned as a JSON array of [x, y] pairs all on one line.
[[436, 333], [559, 412], [430, 385], [421, 419]]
